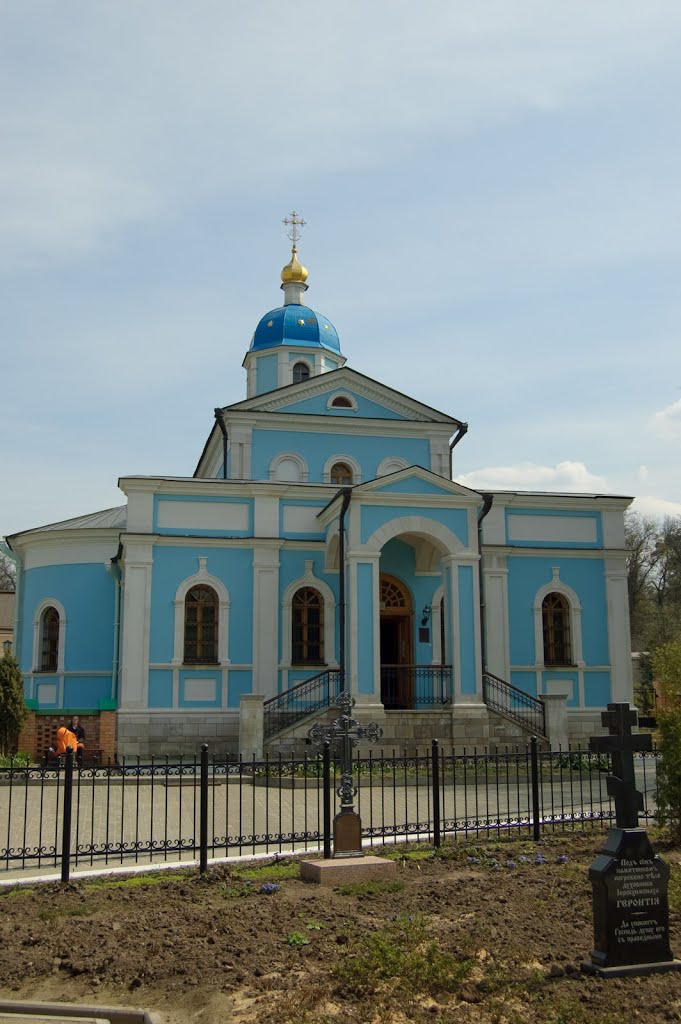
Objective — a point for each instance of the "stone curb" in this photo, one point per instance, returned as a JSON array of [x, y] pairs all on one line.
[[111, 1014]]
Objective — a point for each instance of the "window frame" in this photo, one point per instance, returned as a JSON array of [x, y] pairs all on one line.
[[193, 603], [557, 638], [300, 614]]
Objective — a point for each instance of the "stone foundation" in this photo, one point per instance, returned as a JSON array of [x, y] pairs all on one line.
[[177, 733]]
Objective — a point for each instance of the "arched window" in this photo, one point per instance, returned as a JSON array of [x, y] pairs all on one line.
[[341, 402], [301, 371], [341, 474], [555, 612], [307, 627], [49, 640], [201, 626]]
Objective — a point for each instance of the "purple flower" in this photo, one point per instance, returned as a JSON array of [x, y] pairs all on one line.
[[522, 859], [540, 859], [473, 860], [509, 864], [268, 888], [563, 859]]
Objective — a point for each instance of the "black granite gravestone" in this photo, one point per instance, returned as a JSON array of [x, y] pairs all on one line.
[[346, 731], [628, 879]]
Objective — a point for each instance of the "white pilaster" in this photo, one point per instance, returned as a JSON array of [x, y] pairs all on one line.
[[265, 619], [137, 567], [497, 646]]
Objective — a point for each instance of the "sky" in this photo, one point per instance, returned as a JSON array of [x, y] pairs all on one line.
[[493, 215]]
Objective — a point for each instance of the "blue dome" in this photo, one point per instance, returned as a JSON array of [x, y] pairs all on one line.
[[295, 325]]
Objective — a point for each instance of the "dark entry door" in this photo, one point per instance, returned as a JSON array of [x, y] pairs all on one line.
[[396, 668]]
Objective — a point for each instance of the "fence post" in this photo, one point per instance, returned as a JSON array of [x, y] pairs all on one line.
[[435, 762], [66, 817], [534, 767], [203, 811], [326, 775]]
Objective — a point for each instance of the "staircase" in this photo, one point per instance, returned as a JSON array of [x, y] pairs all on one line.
[[288, 709], [513, 704]]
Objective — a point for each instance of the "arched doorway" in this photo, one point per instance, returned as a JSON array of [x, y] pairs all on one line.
[[397, 643]]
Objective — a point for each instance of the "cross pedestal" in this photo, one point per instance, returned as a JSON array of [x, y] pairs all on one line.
[[629, 880]]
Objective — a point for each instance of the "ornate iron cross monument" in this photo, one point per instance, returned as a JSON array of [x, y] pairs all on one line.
[[344, 733], [622, 744]]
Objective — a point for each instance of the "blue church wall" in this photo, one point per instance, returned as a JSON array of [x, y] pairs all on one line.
[[160, 688], [374, 516], [267, 373], [567, 676], [317, 405], [585, 576], [46, 691], [223, 506], [596, 689], [412, 485], [173, 565], [316, 448], [526, 681], [87, 595]]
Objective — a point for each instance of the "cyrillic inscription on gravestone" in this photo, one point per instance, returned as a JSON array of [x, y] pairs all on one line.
[[631, 913]]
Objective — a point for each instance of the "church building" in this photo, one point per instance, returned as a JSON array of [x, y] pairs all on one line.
[[321, 544]]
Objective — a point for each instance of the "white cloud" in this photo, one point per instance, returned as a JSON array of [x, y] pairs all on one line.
[[565, 476], [649, 505], [643, 473], [667, 422]]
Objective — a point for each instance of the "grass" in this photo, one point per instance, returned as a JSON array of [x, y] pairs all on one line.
[[675, 887], [57, 913], [405, 955], [138, 881]]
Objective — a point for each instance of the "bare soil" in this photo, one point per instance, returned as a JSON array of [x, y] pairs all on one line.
[[458, 939]]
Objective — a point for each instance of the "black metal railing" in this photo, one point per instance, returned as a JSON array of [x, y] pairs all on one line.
[[410, 687], [299, 701], [136, 812], [508, 700]]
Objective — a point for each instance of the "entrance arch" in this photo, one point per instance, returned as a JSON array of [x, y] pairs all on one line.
[[396, 618]]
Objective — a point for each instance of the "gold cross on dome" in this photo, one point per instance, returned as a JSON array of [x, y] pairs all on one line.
[[296, 221]]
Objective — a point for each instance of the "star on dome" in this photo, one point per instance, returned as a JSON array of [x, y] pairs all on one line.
[[301, 323], [270, 323]]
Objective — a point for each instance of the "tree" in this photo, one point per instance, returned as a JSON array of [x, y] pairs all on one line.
[[653, 579], [13, 710], [667, 672], [8, 573]]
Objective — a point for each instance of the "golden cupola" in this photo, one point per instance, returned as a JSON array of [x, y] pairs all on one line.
[[294, 272]]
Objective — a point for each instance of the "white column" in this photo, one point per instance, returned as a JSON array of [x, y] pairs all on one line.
[[265, 619], [619, 635], [451, 581], [251, 725], [497, 648], [137, 566]]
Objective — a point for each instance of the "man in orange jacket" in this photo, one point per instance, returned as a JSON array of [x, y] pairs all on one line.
[[65, 738]]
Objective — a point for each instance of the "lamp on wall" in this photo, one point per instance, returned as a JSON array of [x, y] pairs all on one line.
[[425, 615], [7, 646]]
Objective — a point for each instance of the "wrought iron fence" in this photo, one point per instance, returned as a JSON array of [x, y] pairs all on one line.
[[303, 699], [515, 704], [415, 686], [143, 812]]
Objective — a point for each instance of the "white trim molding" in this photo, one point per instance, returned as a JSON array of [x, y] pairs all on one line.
[[202, 577], [391, 464], [348, 459], [557, 586], [309, 580], [283, 457], [435, 632], [48, 602]]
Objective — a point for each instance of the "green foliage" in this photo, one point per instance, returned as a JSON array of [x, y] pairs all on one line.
[[269, 872], [667, 670], [13, 710], [15, 761], [297, 939], [404, 954]]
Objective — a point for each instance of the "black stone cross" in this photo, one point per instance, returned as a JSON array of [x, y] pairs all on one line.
[[345, 731], [622, 744]]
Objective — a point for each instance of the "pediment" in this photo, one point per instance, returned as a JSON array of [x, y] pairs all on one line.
[[367, 398], [416, 480]]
